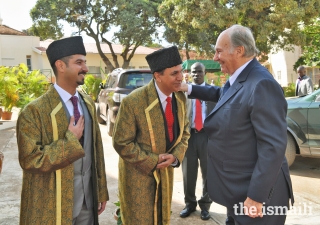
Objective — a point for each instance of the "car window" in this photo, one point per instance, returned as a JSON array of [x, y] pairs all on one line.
[[111, 81], [134, 80]]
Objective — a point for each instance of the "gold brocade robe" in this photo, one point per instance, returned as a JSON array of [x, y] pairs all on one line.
[[139, 137], [40, 156]]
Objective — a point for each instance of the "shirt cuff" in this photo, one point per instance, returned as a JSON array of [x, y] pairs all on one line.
[[189, 89], [175, 162]]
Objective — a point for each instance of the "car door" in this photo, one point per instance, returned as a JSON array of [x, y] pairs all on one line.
[[314, 125]]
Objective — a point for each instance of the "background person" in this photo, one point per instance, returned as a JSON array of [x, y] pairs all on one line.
[[60, 147], [186, 77], [151, 134], [304, 84], [197, 111], [247, 140]]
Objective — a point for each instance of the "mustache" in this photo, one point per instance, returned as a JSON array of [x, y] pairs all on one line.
[[82, 72]]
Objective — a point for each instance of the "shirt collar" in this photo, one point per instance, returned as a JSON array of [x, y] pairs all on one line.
[[203, 84], [65, 96], [162, 96], [235, 75], [301, 78]]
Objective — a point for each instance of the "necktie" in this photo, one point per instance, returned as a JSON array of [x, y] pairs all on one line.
[[198, 116], [169, 118], [76, 113], [226, 87]]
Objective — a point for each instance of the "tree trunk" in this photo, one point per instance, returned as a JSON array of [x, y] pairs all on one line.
[[187, 51]]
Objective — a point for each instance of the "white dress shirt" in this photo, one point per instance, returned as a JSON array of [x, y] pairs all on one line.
[[163, 100], [232, 77], [65, 96]]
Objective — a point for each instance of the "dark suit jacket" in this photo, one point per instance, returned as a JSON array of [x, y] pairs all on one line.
[[210, 105], [247, 133]]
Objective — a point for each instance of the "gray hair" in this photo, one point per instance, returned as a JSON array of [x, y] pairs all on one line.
[[242, 36]]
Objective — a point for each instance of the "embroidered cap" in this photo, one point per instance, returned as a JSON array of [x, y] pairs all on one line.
[[163, 58], [65, 47]]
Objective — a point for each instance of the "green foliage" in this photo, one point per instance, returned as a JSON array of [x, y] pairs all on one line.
[[19, 87], [275, 24], [91, 86], [119, 221], [153, 45], [311, 50], [299, 62], [290, 90], [136, 22], [187, 37]]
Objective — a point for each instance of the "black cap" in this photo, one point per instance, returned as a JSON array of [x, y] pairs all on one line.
[[65, 47], [164, 58]]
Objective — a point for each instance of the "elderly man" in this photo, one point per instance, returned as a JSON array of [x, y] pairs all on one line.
[[304, 84], [151, 134], [60, 147], [247, 141]]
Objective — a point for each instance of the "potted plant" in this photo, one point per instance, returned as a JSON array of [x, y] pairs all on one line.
[[19, 87], [117, 214], [9, 91], [91, 86]]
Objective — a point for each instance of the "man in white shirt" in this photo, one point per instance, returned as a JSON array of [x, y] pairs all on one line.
[[304, 84], [151, 134], [60, 147], [196, 154]]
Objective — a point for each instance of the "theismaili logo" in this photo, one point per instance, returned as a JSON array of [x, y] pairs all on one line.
[[298, 209]]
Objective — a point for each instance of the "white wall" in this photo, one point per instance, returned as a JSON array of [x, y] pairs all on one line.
[[14, 50], [282, 65]]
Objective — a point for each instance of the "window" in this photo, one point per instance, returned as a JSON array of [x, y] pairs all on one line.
[[134, 80], [279, 75], [29, 62], [94, 69]]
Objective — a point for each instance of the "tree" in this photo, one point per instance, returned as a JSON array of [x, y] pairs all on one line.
[[192, 39], [311, 48], [275, 24], [135, 20]]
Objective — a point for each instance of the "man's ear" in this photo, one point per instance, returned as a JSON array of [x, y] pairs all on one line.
[[157, 76], [60, 65], [240, 51]]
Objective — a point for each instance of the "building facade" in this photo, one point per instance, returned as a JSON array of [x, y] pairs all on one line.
[[280, 65], [17, 47]]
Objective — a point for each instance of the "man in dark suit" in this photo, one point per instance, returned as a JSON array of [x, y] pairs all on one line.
[[247, 133], [197, 111]]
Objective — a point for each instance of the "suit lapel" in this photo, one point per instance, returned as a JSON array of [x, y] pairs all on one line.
[[61, 116], [181, 118], [90, 107], [155, 120], [235, 87]]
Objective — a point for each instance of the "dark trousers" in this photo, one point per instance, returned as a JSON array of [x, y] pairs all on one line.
[[196, 152], [280, 197]]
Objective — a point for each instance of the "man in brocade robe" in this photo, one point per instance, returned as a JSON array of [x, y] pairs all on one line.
[[60, 147], [151, 134]]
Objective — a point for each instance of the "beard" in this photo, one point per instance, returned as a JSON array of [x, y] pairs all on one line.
[[80, 82], [84, 74]]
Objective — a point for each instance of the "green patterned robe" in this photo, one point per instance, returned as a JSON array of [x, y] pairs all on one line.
[[40, 157], [139, 137]]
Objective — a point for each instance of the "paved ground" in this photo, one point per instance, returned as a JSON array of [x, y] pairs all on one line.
[[305, 175]]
